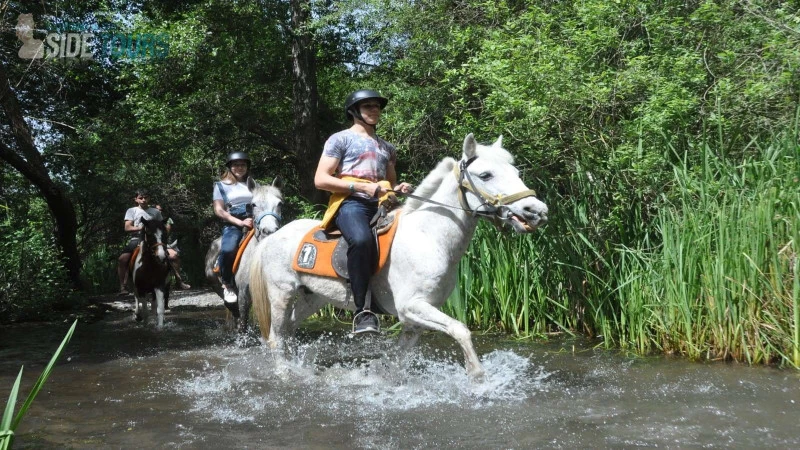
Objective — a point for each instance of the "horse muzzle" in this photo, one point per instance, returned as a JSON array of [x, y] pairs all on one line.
[[524, 219]]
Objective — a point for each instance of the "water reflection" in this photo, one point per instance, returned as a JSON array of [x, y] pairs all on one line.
[[189, 386]]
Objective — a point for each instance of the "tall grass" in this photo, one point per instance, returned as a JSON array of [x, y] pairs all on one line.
[[712, 275], [723, 280]]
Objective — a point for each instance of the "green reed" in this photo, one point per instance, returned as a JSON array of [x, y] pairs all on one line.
[[9, 422], [724, 275], [712, 275]]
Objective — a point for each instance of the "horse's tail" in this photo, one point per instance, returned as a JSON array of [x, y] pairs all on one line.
[[259, 295]]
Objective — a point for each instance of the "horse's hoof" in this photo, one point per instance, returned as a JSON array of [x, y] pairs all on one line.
[[477, 376]]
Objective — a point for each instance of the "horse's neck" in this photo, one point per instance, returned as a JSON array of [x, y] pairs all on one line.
[[146, 251], [455, 226]]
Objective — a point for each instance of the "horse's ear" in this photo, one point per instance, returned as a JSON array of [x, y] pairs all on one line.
[[278, 182], [469, 146], [499, 142], [251, 184]]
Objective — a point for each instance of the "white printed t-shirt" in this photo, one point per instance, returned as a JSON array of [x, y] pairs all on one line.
[[237, 193], [136, 215]]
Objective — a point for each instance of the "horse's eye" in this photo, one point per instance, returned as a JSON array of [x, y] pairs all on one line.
[[486, 176]]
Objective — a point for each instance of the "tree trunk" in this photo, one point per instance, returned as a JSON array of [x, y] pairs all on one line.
[[305, 108], [29, 162]]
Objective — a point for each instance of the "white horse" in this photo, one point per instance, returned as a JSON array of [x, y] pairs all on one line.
[[435, 230], [267, 203]]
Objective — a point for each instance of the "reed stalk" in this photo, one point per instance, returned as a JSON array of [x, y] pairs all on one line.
[[9, 422]]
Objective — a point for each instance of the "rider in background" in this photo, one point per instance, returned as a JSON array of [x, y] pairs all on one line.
[[353, 162], [231, 197], [173, 253], [134, 228]]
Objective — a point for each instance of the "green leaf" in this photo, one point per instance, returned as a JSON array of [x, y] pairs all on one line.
[[44, 376]]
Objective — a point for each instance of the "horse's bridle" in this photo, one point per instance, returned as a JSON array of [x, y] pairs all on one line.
[[268, 213], [495, 204]]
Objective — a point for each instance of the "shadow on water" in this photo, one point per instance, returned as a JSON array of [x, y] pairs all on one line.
[[125, 385]]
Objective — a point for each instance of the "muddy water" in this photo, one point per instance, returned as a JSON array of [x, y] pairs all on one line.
[[123, 385]]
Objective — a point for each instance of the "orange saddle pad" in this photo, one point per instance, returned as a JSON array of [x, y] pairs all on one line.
[[322, 254], [239, 252], [133, 257]]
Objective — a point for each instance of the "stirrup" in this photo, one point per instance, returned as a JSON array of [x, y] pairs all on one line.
[[369, 313]]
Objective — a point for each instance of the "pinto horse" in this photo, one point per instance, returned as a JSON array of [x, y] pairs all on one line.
[[149, 271], [267, 203], [421, 271]]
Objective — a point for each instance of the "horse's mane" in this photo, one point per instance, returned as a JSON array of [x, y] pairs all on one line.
[[430, 184]]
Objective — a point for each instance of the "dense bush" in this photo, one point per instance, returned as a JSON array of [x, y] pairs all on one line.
[[33, 282]]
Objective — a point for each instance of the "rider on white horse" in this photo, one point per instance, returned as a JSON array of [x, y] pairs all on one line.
[[352, 164], [232, 196]]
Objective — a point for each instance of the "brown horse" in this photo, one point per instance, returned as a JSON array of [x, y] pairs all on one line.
[[149, 271]]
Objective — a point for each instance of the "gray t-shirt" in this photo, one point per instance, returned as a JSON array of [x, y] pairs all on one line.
[[360, 156]]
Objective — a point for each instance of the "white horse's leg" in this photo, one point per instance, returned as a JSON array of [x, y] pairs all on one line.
[[305, 306], [138, 306], [421, 314], [159, 295], [408, 338], [282, 305]]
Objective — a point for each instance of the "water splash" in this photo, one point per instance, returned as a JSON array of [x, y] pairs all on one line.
[[361, 378]]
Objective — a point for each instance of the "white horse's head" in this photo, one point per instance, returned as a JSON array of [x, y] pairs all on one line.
[[491, 187], [267, 203]]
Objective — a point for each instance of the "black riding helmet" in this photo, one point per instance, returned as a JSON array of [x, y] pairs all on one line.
[[236, 156], [360, 95]]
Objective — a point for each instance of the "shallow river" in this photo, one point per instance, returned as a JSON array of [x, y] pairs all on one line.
[[124, 385]]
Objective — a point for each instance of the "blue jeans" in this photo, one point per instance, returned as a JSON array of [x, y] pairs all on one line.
[[352, 219], [231, 235]]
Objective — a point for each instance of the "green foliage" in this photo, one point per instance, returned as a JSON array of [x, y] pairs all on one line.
[[9, 421], [32, 279], [99, 270]]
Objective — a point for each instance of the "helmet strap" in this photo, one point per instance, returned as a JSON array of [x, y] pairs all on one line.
[[356, 112]]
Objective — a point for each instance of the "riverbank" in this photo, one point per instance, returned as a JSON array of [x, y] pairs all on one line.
[[98, 307], [191, 298]]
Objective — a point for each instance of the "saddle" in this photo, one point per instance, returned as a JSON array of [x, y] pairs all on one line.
[[239, 252], [323, 252]]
